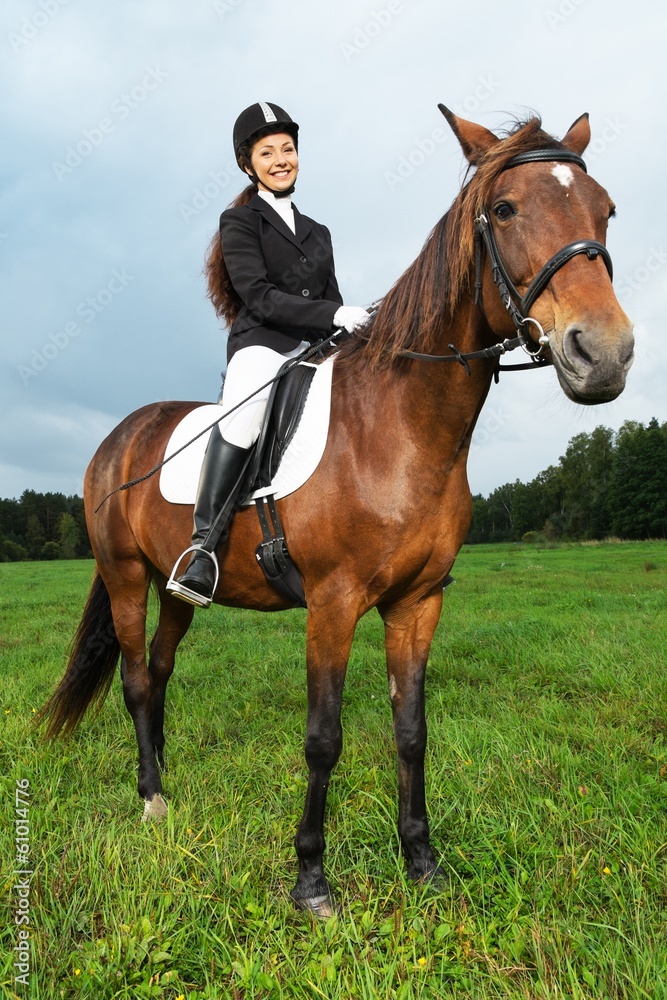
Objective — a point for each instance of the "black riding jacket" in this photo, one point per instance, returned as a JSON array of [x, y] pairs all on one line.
[[286, 281]]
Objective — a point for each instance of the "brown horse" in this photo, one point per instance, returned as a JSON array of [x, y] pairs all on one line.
[[381, 521]]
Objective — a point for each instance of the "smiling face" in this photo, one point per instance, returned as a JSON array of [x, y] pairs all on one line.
[[275, 162]]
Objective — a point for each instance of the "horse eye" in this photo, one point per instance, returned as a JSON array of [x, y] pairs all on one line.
[[503, 211]]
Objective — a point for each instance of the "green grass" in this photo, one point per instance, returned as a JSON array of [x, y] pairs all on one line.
[[546, 779]]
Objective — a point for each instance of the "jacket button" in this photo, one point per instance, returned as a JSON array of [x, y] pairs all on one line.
[[305, 292], [304, 260]]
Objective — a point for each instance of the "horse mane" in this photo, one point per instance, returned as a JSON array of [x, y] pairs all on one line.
[[424, 299]]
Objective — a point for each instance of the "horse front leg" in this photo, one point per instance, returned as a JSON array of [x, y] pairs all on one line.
[[408, 635], [327, 652]]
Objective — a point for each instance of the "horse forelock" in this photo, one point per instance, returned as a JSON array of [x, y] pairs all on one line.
[[425, 298]]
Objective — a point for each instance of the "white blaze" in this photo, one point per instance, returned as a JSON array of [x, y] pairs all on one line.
[[563, 174]]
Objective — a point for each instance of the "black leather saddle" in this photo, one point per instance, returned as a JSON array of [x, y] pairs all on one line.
[[283, 413]]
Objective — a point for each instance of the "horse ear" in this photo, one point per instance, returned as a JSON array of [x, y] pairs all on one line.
[[475, 140], [579, 134]]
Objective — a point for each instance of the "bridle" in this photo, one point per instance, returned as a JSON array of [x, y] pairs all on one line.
[[516, 305]]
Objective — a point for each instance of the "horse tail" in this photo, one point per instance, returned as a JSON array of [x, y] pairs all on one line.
[[91, 665]]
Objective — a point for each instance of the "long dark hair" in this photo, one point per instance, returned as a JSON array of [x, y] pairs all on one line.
[[221, 292]]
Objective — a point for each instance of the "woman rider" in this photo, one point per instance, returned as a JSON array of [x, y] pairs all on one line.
[[271, 278]]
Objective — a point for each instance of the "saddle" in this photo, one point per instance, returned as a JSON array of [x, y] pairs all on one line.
[[284, 411]]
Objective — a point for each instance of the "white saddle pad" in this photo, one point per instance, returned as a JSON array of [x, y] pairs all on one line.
[[179, 477]]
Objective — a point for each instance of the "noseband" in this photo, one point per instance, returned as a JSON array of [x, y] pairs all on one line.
[[519, 306]]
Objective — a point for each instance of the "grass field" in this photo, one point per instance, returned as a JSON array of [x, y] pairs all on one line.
[[546, 779]]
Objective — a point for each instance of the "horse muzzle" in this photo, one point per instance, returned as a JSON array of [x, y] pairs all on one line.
[[591, 364]]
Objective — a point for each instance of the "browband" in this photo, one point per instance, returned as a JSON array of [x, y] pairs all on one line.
[[542, 155]]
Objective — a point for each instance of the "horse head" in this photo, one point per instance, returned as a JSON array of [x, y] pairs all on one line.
[[540, 228]]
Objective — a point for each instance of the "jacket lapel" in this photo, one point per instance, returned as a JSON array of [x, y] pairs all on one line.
[[303, 226], [302, 223]]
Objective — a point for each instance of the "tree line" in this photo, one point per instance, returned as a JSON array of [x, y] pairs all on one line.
[[43, 526], [608, 483]]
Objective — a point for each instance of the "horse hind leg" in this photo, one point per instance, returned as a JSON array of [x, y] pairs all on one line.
[[174, 621], [127, 583]]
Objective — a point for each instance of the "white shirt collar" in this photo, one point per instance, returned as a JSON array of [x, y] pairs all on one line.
[[283, 206]]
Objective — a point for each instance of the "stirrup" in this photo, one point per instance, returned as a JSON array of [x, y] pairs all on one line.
[[184, 593]]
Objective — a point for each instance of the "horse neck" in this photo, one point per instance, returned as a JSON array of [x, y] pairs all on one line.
[[439, 400]]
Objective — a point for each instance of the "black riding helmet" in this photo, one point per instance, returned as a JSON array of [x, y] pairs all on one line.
[[260, 119]]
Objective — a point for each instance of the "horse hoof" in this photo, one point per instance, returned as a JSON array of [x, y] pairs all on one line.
[[321, 907], [154, 809]]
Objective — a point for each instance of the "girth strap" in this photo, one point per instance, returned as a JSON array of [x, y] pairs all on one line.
[[273, 556]]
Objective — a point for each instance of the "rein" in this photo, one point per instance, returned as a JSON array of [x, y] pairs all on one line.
[[496, 351], [519, 306]]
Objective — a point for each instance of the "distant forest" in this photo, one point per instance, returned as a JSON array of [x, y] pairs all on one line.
[[608, 483], [43, 526]]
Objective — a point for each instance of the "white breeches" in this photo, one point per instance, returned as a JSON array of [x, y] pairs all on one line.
[[250, 368]]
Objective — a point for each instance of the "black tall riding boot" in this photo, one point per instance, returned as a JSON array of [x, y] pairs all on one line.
[[220, 481]]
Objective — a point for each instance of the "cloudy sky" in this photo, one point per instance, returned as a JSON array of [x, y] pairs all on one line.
[[116, 161]]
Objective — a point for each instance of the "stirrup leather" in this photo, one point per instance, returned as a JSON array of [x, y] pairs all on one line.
[[184, 593]]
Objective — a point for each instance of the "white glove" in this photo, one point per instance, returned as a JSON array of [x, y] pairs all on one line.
[[351, 318]]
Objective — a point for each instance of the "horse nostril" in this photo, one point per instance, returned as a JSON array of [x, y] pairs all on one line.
[[574, 338]]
